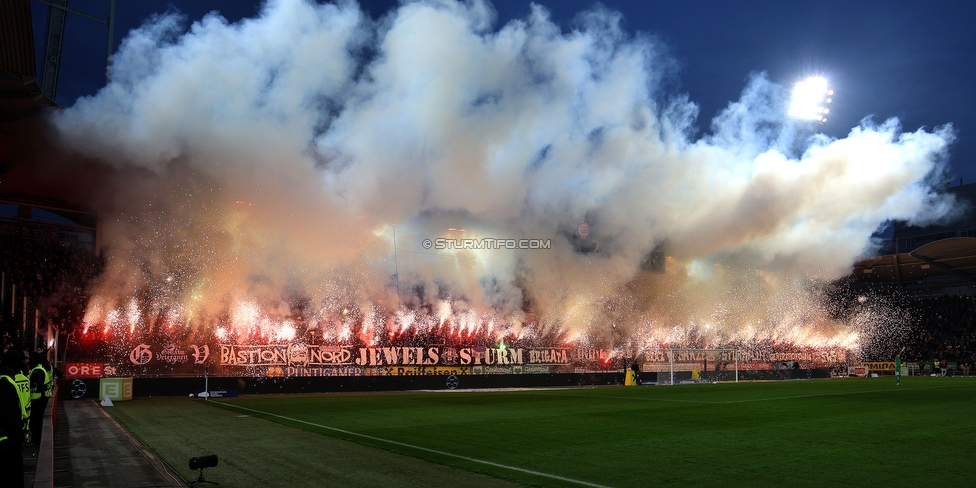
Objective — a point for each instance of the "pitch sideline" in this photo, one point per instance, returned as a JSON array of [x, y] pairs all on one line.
[[765, 399], [419, 448]]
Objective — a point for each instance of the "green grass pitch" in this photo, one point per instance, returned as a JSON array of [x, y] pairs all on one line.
[[848, 432]]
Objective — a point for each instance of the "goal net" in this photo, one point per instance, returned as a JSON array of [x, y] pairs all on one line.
[[692, 365]]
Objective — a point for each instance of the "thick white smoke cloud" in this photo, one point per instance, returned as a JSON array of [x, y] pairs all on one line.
[[267, 162]]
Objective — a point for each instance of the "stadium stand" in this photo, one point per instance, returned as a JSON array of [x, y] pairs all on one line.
[[48, 251]]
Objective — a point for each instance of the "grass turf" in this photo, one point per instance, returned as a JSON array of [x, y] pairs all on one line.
[[851, 432]]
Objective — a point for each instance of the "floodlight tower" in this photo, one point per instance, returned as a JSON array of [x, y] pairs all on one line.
[[811, 100]]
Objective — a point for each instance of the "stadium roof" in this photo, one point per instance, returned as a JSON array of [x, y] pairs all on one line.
[[22, 127], [20, 95], [953, 258]]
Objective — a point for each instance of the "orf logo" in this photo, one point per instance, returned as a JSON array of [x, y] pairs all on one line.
[[141, 355]]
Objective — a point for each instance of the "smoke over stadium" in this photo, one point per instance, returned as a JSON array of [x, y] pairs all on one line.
[[278, 179]]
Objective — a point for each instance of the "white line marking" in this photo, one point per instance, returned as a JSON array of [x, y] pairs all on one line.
[[839, 394], [419, 448], [727, 402], [667, 400]]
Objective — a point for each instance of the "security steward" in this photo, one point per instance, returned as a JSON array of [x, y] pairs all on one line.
[[41, 386], [12, 415], [15, 361]]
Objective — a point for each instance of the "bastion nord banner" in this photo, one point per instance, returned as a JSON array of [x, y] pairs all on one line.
[[140, 359]]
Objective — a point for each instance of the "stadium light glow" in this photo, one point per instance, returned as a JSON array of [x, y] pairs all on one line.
[[811, 98]]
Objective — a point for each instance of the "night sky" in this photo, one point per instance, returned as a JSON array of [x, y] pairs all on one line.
[[906, 59]]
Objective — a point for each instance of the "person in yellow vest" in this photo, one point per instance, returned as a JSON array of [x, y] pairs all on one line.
[[11, 432], [39, 380], [12, 413], [15, 361]]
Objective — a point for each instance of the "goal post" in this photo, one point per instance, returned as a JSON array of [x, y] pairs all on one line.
[[697, 361]]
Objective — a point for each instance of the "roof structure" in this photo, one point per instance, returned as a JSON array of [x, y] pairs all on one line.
[[940, 264], [20, 95], [23, 186]]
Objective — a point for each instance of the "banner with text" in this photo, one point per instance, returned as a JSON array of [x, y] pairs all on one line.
[[197, 358]]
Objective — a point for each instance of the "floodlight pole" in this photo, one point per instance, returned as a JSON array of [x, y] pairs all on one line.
[[736, 365], [111, 31], [671, 360], [396, 267], [53, 50]]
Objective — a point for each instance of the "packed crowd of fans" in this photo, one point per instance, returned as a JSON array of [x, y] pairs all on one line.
[[918, 329], [944, 329], [52, 276]]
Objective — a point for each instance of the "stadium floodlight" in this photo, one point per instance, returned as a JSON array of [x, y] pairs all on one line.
[[811, 100]]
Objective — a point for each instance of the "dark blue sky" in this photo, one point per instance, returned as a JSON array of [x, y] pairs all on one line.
[[907, 59]]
